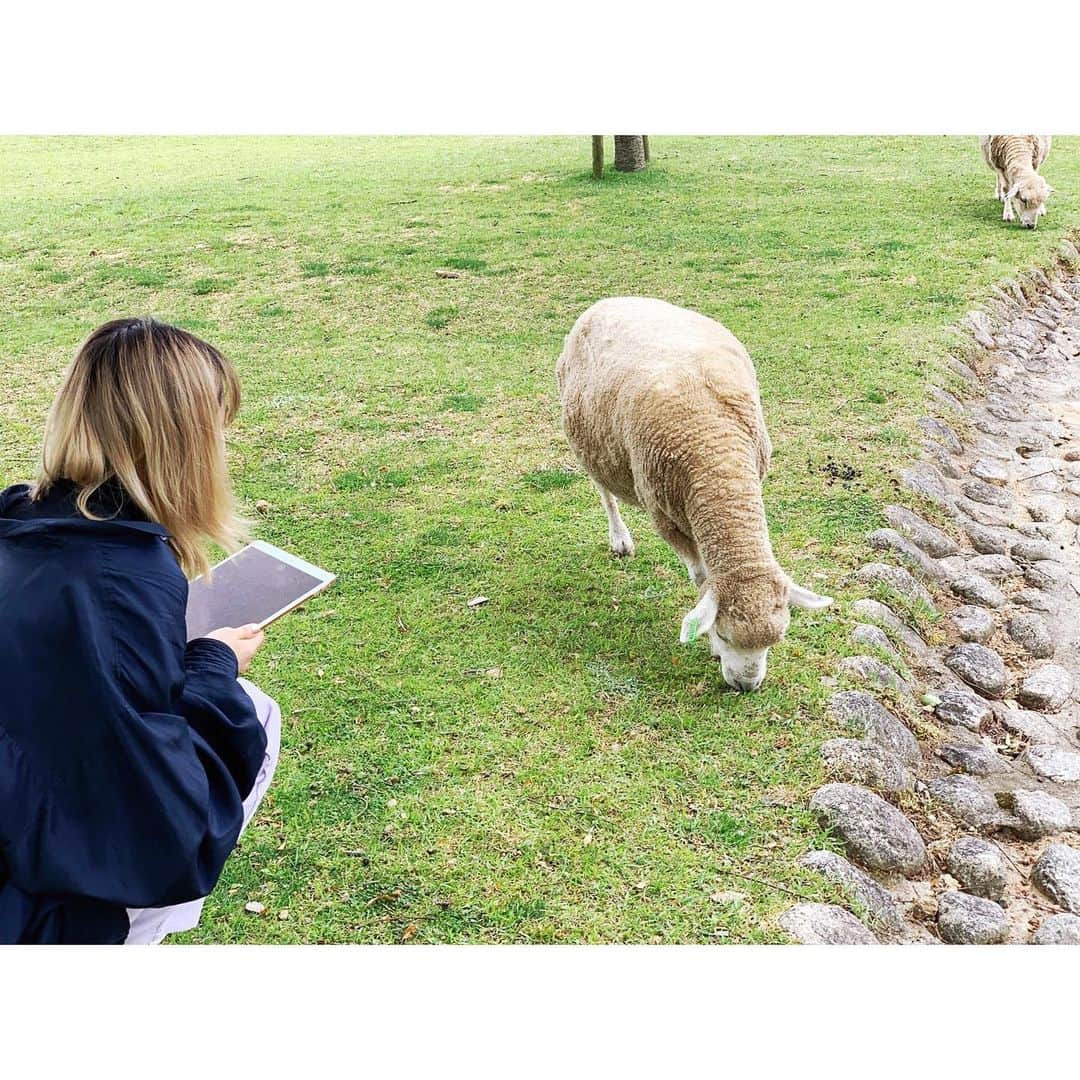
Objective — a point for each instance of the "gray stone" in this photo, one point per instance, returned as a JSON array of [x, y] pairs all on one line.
[[992, 472], [863, 714], [1036, 599], [1053, 763], [896, 579], [991, 448], [1058, 930], [979, 324], [979, 667], [942, 460], [1029, 551], [953, 566], [1036, 467], [974, 760], [994, 567], [1058, 533], [974, 623], [966, 799], [976, 589], [824, 924], [964, 919], [989, 494], [1045, 575], [928, 483], [1057, 874], [987, 540], [930, 538], [907, 551], [1032, 725], [859, 761], [860, 887], [1046, 689], [869, 669], [874, 833], [874, 638], [962, 708], [978, 866], [989, 426], [942, 433], [873, 611], [1031, 633], [950, 401], [1003, 409], [1046, 508], [1045, 482], [1032, 444], [984, 513], [1039, 814], [962, 369]]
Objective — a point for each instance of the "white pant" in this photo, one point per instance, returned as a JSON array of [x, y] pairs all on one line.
[[150, 925]]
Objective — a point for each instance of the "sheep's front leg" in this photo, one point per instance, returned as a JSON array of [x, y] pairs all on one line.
[[1002, 186], [1007, 213], [683, 546], [622, 543]]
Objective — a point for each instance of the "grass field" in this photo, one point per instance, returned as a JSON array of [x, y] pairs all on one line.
[[549, 766]]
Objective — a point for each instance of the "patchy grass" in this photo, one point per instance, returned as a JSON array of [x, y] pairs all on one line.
[[551, 765], [439, 318], [205, 286]]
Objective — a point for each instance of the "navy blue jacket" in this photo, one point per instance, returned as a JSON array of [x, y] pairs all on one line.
[[125, 753]]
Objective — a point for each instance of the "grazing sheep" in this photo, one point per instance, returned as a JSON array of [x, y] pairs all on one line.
[[1016, 159], [661, 406]]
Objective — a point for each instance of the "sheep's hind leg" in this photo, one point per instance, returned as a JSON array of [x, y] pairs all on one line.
[[622, 543], [684, 547]]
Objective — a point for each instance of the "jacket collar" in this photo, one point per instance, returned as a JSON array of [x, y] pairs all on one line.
[[58, 514]]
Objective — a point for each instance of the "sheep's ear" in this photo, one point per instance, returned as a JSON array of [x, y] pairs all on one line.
[[804, 598], [1011, 194], [700, 618]]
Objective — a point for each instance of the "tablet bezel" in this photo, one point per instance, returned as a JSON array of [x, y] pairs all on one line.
[[324, 577]]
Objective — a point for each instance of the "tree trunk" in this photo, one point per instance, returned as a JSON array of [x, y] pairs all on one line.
[[645, 144], [597, 157], [629, 153]]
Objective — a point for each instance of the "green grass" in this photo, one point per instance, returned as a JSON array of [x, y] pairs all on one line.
[[550, 765]]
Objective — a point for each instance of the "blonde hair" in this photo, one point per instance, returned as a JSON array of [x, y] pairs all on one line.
[[146, 405]]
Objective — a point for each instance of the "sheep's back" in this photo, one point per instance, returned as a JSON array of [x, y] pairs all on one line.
[[641, 377], [999, 150]]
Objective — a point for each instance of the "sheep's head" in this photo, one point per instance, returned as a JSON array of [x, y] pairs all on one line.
[[1031, 195], [744, 617]]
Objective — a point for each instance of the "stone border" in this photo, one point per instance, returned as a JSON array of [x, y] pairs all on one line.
[[956, 791]]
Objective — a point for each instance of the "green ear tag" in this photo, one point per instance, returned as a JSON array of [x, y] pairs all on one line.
[[694, 623]]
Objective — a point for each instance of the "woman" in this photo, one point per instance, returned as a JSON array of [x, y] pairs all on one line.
[[130, 758]]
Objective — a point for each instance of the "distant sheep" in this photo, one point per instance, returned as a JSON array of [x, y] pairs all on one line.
[[661, 406], [1016, 160]]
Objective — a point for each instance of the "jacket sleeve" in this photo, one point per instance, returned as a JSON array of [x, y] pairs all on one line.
[[229, 744], [140, 802], [220, 712], [212, 742]]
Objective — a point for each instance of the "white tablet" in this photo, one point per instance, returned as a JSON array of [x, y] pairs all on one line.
[[258, 584]]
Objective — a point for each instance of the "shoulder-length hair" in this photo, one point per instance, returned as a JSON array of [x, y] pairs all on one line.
[[146, 405]]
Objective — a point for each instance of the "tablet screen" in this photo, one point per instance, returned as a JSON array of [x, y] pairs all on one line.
[[255, 585]]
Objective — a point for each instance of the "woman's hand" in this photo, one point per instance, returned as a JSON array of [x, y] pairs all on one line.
[[243, 640]]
